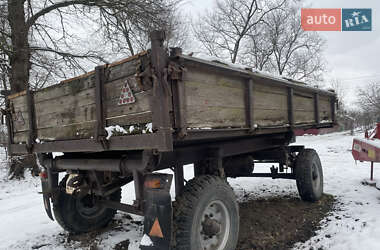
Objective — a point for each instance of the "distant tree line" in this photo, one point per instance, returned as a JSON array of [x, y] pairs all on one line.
[[266, 35], [366, 111]]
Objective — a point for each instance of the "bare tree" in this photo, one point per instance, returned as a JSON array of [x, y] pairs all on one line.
[[225, 29], [127, 36], [369, 99], [34, 39], [5, 49], [296, 53], [266, 35], [340, 91], [258, 50]]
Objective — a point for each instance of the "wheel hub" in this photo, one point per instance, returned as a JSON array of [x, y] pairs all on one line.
[[211, 227], [215, 226], [87, 207]]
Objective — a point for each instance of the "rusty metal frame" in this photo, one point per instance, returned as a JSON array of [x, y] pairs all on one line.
[[9, 124], [132, 209], [179, 179], [161, 99], [178, 89], [32, 120], [249, 105], [100, 133], [131, 142], [333, 108], [290, 106], [316, 108], [186, 154]]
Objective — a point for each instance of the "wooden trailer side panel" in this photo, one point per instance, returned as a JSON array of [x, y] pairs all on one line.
[[68, 110], [325, 109], [303, 108], [219, 101], [270, 105], [213, 100]]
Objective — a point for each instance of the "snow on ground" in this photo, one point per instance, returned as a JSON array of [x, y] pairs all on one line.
[[355, 224]]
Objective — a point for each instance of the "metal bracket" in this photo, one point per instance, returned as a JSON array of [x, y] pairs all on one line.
[[100, 79], [161, 99], [31, 119], [176, 71]]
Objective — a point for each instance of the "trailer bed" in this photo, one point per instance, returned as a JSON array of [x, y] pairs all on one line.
[[178, 99]]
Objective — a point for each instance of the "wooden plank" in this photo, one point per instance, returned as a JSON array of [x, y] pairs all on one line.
[[212, 95], [325, 108], [270, 117], [73, 114], [81, 107], [218, 117], [73, 86], [301, 117], [211, 78], [214, 100], [213, 117], [303, 103], [265, 88], [218, 102], [266, 100], [73, 131], [130, 119]]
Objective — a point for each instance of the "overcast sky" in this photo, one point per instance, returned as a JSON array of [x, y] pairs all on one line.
[[352, 57]]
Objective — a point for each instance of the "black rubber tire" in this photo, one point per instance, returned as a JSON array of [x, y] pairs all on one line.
[[309, 175], [189, 206], [69, 218]]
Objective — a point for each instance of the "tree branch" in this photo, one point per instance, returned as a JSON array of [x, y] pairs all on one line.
[[32, 20]]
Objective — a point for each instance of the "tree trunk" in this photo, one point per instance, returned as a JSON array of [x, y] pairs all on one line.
[[20, 58]]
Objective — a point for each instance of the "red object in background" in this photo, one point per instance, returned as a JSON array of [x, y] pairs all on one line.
[[376, 133], [368, 149], [315, 131]]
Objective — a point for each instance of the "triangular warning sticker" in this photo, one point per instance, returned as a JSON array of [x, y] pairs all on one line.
[[126, 95], [156, 230]]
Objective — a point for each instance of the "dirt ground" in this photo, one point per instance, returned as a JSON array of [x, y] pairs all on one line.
[[272, 223], [278, 223]]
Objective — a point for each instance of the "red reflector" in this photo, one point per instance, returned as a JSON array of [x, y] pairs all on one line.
[[43, 175]]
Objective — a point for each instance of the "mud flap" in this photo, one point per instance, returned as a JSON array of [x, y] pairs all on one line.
[[157, 213], [46, 197], [49, 184]]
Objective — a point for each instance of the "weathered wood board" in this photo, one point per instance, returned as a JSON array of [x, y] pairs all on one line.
[[218, 100], [68, 110]]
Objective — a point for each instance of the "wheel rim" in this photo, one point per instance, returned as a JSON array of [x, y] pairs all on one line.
[[316, 177], [87, 207], [215, 226]]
